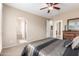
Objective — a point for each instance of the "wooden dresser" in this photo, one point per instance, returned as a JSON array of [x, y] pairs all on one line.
[[70, 34]]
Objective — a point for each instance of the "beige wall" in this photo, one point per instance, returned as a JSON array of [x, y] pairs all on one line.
[[67, 15], [36, 26], [0, 27]]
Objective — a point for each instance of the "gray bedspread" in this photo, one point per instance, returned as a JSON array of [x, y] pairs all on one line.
[[48, 47], [54, 49]]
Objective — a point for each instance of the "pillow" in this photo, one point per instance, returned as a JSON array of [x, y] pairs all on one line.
[[75, 42], [67, 43]]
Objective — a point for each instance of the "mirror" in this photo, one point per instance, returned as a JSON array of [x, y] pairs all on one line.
[[73, 24]]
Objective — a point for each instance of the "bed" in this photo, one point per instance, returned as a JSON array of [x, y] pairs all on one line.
[[49, 47]]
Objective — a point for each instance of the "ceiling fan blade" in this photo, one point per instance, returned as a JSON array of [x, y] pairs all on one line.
[[48, 11], [55, 3], [43, 8], [56, 8], [48, 4]]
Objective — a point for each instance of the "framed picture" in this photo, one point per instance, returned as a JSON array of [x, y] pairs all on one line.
[[73, 24]]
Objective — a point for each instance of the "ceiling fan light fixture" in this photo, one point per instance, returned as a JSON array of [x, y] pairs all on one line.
[[50, 8]]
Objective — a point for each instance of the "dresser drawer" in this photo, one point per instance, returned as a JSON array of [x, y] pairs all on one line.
[[70, 34]]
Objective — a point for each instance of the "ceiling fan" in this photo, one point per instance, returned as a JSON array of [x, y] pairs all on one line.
[[51, 6]]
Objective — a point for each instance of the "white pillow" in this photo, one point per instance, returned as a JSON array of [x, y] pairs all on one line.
[[75, 42]]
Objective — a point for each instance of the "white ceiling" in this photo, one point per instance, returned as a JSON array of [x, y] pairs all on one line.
[[35, 8]]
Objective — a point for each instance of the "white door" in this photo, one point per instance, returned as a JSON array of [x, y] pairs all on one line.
[[0, 27], [49, 28], [59, 29]]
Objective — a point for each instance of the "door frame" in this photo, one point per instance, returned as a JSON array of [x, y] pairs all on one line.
[[55, 29]]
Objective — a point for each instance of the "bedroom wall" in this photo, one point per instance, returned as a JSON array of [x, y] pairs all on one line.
[[64, 17], [67, 15], [0, 27], [36, 26]]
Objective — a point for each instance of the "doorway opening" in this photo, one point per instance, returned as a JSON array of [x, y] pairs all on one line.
[[59, 29]]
